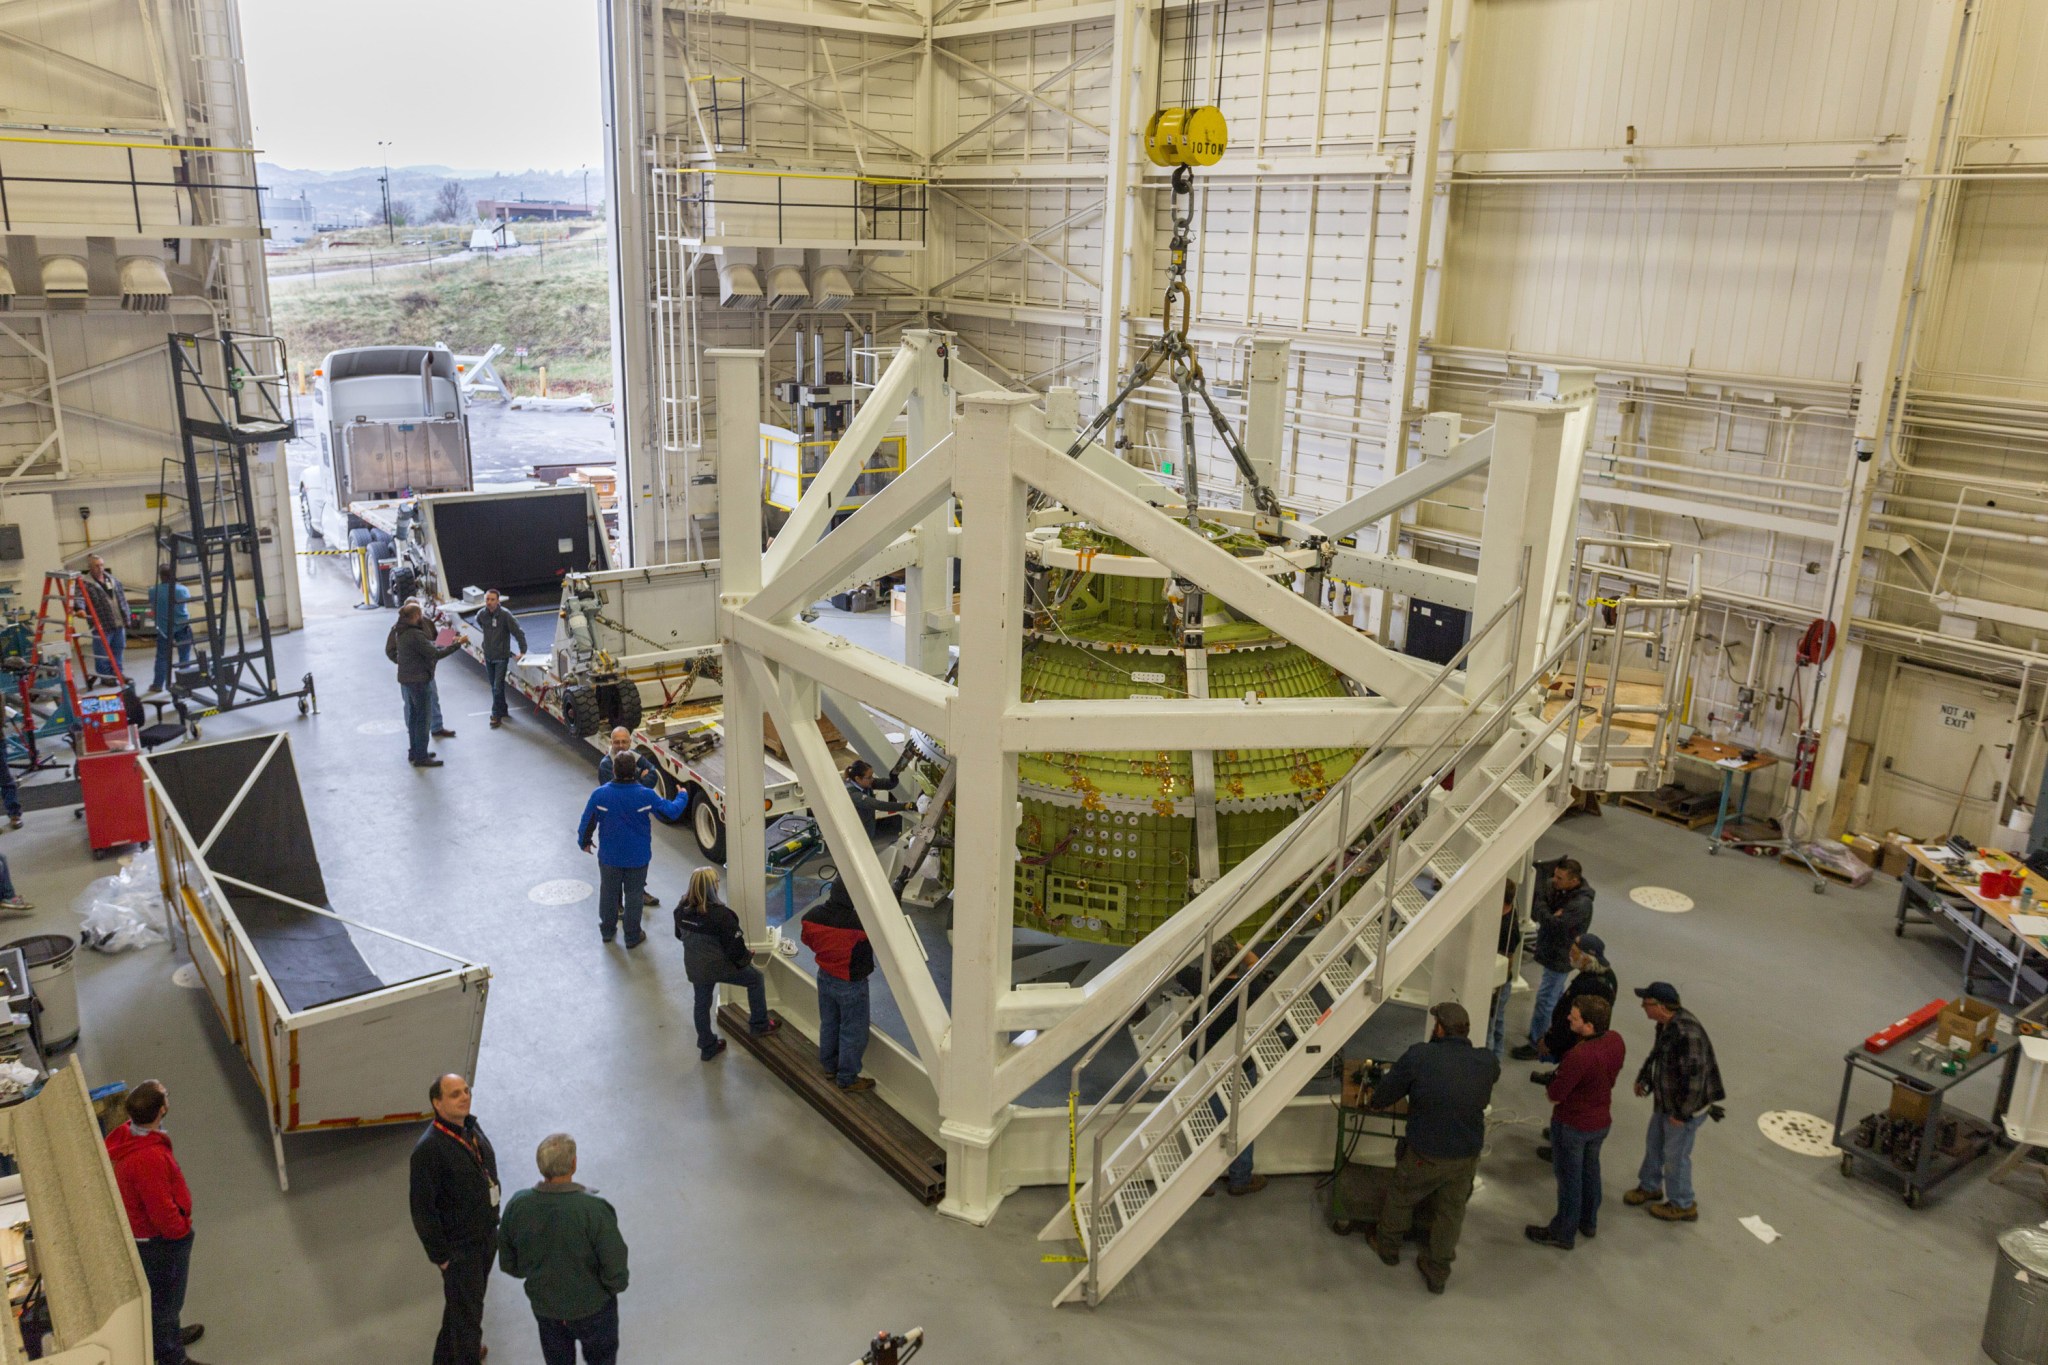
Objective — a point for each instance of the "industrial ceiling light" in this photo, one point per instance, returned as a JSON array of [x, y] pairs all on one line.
[[145, 287]]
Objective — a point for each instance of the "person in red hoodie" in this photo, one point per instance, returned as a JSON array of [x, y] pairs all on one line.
[[159, 1214], [832, 931], [1581, 1095]]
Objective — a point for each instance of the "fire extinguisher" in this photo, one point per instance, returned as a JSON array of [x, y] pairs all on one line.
[[1803, 758]]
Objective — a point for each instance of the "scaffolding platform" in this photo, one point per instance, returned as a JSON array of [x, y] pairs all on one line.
[[915, 1162]]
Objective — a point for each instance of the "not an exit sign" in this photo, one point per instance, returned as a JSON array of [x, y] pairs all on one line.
[[1957, 717]]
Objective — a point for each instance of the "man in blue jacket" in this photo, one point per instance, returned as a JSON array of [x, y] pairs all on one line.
[[619, 813]]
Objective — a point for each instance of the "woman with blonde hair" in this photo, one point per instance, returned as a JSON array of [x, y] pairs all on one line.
[[715, 953]]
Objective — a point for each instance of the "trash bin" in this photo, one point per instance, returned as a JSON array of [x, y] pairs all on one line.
[[49, 972], [2016, 1324]]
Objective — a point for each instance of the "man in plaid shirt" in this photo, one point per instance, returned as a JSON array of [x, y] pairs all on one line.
[[1684, 1084]]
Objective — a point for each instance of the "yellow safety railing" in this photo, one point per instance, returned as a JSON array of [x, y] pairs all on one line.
[[890, 458]]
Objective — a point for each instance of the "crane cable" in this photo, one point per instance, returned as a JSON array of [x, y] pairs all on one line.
[[1179, 137]]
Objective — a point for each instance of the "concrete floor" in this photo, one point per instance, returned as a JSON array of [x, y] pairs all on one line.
[[757, 1234]]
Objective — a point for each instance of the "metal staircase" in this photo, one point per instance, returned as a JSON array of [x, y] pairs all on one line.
[[231, 396], [1345, 939]]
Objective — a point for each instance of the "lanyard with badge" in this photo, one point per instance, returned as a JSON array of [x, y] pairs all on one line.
[[476, 1154]]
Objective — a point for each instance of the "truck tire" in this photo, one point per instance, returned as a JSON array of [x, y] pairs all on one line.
[[306, 517], [625, 703], [665, 784], [705, 824], [580, 709]]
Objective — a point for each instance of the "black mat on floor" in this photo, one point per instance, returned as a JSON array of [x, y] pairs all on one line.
[[51, 795]]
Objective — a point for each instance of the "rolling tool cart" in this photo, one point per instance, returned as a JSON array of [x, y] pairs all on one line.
[[1918, 1140]]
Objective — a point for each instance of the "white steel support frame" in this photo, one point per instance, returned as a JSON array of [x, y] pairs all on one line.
[[969, 1071], [1932, 137]]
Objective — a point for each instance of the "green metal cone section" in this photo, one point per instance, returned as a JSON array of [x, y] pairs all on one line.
[[1106, 846]]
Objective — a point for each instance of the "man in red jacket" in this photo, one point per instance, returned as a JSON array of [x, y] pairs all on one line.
[[1581, 1095], [159, 1214], [832, 931]]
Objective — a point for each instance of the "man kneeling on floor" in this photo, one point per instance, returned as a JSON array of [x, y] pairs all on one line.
[[563, 1240], [1448, 1084]]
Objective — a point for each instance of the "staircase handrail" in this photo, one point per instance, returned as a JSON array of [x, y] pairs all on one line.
[[1295, 832], [1238, 995]]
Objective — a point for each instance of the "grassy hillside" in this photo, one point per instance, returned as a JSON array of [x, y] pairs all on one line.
[[558, 308]]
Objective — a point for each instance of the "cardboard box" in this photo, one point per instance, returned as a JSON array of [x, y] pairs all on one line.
[[1966, 1021], [1868, 850], [1909, 1103], [1892, 859]]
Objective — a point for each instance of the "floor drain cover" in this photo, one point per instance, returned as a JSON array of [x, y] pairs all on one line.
[[1661, 899], [1806, 1134], [186, 976], [381, 727], [566, 891]]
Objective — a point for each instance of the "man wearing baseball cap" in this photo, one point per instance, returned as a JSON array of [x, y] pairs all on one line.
[[1448, 1084], [1683, 1082]]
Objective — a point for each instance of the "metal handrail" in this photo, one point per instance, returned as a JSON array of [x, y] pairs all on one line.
[[1299, 829], [1097, 1195]]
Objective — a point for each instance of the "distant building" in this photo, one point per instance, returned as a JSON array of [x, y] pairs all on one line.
[[516, 210], [290, 219]]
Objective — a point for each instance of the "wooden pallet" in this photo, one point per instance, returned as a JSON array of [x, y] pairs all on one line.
[[1649, 803], [1818, 866], [897, 1145]]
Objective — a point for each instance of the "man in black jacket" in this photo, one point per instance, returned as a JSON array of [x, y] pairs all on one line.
[[1448, 1084], [1564, 910], [499, 629], [715, 953], [455, 1213], [411, 646]]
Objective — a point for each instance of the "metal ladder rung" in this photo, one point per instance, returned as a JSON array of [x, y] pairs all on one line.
[[1484, 825], [1303, 1014], [1446, 861], [1269, 1052], [1409, 902]]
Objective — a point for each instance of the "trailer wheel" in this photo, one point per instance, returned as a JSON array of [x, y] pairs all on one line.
[[665, 784], [626, 708], [580, 709], [306, 517], [705, 824]]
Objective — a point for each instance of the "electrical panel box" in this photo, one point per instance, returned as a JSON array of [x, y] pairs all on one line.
[[1440, 433], [10, 541]]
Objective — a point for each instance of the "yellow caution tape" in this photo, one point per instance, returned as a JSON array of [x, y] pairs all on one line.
[[1073, 1180]]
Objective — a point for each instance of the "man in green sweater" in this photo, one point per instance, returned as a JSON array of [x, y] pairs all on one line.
[[564, 1242]]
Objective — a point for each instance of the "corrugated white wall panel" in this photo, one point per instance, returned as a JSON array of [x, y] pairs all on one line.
[[1748, 279], [1685, 73]]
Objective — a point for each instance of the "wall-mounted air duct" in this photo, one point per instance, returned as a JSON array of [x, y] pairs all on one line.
[[831, 279], [65, 280], [739, 280], [145, 287], [783, 281]]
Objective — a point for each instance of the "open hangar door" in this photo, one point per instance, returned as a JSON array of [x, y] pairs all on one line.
[[1944, 754]]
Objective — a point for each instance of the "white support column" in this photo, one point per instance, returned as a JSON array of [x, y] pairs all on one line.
[[1913, 243], [984, 797], [1419, 239], [737, 380], [637, 425], [1522, 490], [1124, 197], [928, 625], [1266, 412]]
